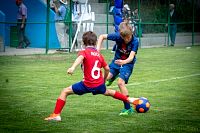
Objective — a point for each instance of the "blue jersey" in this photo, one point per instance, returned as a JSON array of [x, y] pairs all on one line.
[[123, 50]]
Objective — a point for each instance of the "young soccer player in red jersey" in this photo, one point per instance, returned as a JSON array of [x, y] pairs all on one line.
[[93, 81]]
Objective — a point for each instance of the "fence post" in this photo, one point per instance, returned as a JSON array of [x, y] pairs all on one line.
[[107, 23], [70, 25], [139, 31], [168, 23], [193, 23], [47, 26]]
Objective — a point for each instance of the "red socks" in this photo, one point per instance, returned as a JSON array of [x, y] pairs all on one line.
[[59, 106], [121, 97], [60, 103]]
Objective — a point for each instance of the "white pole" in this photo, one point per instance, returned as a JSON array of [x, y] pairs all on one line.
[[79, 25]]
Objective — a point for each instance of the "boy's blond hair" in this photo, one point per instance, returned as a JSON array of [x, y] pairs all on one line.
[[125, 29]]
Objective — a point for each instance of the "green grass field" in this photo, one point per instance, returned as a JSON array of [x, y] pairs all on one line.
[[168, 77]]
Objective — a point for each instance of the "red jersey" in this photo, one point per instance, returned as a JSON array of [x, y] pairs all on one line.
[[92, 63]]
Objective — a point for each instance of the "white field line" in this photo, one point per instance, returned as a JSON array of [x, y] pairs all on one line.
[[157, 81]]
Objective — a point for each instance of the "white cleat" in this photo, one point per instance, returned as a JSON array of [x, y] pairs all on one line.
[[53, 117]]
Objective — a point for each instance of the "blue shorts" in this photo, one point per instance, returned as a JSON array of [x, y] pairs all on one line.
[[80, 89], [124, 72]]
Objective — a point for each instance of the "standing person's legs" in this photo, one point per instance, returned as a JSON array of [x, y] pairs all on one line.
[[61, 34], [26, 40], [20, 34], [172, 33], [174, 28]]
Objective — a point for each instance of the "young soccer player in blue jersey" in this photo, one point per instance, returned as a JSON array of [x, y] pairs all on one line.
[[125, 57], [94, 79]]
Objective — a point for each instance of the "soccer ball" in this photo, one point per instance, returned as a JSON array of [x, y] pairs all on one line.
[[143, 105]]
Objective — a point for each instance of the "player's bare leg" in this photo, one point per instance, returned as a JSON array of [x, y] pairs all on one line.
[[122, 87], [127, 108]]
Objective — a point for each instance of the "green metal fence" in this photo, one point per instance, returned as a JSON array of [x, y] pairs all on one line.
[[153, 15], [157, 25]]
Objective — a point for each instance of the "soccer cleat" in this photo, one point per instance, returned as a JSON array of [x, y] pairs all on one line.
[[108, 82], [126, 112], [53, 117]]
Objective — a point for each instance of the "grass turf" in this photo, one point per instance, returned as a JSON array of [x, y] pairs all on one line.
[[168, 77]]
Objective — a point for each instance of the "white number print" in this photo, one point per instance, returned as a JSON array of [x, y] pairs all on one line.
[[95, 68]]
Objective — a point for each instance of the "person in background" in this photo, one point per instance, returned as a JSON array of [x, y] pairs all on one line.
[[136, 20], [126, 16], [126, 12], [129, 16], [60, 11], [172, 26], [53, 3], [76, 14], [21, 24], [111, 7]]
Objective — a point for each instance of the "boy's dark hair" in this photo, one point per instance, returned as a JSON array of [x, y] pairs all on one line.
[[89, 38]]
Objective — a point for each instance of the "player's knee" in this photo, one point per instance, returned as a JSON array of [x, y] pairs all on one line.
[[66, 91], [109, 92], [120, 83], [106, 93]]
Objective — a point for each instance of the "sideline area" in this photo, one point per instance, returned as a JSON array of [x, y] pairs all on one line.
[[28, 51], [147, 41]]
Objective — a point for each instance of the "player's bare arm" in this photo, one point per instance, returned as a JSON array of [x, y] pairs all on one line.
[[129, 59], [23, 21], [77, 62], [106, 72], [100, 41]]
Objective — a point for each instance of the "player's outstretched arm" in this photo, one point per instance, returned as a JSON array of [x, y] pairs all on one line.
[[129, 59], [100, 41], [77, 62]]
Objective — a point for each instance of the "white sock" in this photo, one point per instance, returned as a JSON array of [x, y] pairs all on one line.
[[131, 99]]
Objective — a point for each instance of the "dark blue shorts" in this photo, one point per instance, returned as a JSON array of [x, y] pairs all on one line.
[[124, 72], [80, 89]]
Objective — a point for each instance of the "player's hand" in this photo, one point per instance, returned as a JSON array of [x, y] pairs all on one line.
[[119, 62], [22, 26], [70, 70], [53, 5]]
